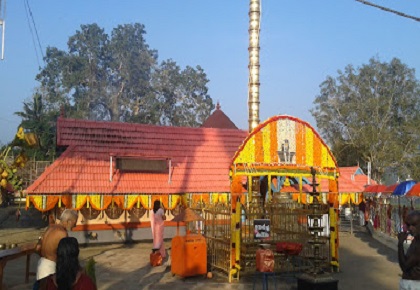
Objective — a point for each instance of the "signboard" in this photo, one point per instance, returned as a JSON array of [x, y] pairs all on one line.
[[261, 229]]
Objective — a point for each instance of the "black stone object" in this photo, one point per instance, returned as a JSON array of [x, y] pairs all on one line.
[[317, 282], [316, 279]]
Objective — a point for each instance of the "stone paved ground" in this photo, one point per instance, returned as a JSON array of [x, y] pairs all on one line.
[[364, 264], [28, 228]]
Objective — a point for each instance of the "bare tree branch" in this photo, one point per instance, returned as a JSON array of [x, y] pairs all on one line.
[[389, 10]]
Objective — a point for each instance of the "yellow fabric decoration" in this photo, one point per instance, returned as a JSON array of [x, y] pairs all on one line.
[[184, 200], [95, 201], [144, 200], [162, 198], [334, 239], [173, 201], [131, 201], [223, 198], [37, 202], [80, 201]]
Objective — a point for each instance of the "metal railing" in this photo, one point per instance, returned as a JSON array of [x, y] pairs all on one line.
[[288, 223]]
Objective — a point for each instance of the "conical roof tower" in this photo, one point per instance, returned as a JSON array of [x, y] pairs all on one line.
[[218, 119]]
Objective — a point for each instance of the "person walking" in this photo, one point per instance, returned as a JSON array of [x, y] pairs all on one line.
[[410, 261], [157, 224], [362, 209]]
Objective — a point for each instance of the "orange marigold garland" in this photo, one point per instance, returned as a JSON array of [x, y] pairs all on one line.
[[273, 142], [317, 152]]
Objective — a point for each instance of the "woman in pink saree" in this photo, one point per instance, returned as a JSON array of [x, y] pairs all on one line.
[[157, 219]]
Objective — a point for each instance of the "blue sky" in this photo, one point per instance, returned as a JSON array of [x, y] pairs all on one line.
[[302, 42]]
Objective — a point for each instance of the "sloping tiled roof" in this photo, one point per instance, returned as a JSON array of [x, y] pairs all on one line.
[[348, 181], [218, 119], [200, 159], [351, 170], [352, 179]]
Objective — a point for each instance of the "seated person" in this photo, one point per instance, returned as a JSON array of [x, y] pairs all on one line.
[[69, 275]]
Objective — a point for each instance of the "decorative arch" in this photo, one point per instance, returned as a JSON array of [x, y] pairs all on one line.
[[280, 150], [284, 144]]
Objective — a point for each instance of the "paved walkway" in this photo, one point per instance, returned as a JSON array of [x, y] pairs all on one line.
[[365, 263]]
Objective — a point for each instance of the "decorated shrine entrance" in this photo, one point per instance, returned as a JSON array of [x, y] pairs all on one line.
[[261, 195], [269, 203]]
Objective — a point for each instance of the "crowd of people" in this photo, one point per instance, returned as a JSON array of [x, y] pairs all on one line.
[[404, 222], [385, 215]]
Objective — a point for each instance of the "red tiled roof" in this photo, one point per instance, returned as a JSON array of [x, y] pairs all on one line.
[[349, 181], [218, 119], [349, 170], [200, 158]]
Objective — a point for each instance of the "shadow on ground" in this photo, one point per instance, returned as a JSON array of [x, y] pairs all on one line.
[[380, 248]]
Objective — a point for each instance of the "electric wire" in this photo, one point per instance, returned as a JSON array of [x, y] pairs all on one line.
[[32, 34], [36, 31], [389, 10], [32, 28]]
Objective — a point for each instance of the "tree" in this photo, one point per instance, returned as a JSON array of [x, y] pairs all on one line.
[[118, 78], [180, 95], [41, 122], [10, 179], [371, 114]]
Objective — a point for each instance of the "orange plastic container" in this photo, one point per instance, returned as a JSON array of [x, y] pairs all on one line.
[[189, 255], [265, 260]]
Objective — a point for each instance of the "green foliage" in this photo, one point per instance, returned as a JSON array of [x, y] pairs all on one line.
[[13, 158], [371, 114], [117, 77], [38, 120], [90, 269]]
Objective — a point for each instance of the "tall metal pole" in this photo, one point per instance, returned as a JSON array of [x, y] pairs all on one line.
[[254, 64], [2, 25]]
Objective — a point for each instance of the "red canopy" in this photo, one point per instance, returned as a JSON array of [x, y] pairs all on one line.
[[375, 188], [414, 191], [390, 189]]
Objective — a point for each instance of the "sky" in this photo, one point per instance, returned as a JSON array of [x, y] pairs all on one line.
[[302, 42]]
